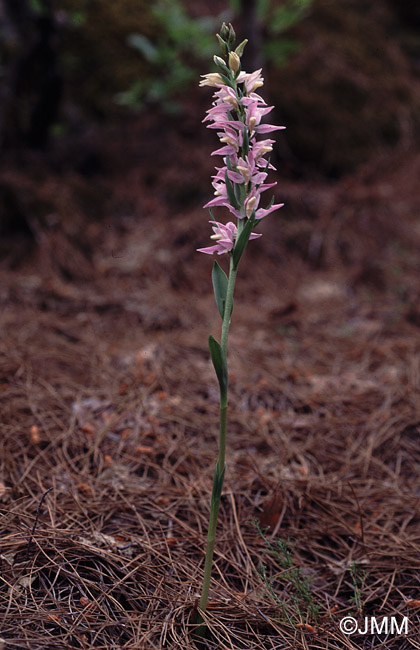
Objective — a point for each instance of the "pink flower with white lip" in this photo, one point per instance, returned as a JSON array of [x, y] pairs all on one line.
[[252, 80], [254, 111], [251, 204], [262, 147], [211, 79], [221, 196], [248, 169], [227, 95], [225, 236], [218, 114], [230, 137]]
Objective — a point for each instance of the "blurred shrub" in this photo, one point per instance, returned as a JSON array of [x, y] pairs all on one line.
[[276, 19], [109, 56], [179, 42], [182, 41], [347, 90]]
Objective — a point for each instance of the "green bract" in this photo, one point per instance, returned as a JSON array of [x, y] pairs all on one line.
[[220, 284], [231, 193], [242, 240], [219, 363]]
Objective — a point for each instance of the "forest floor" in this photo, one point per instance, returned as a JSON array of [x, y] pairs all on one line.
[[109, 409]]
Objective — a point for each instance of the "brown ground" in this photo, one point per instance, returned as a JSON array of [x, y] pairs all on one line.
[[109, 411]]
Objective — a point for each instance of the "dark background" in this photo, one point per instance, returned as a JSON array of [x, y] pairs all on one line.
[[87, 88]]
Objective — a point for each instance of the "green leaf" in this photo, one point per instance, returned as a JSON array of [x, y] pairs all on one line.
[[217, 486], [220, 283], [144, 46], [227, 81], [242, 240], [219, 363]]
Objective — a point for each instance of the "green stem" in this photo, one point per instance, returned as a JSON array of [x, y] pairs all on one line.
[[220, 465]]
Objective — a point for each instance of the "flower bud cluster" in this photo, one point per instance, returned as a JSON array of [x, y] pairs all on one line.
[[237, 112]]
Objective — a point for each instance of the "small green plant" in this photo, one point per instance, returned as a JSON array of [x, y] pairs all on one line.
[[358, 578], [300, 601]]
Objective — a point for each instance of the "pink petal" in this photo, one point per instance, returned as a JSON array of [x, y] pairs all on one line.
[[228, 149], [263, 212], [209, 250], [219, 200], [266, 186], [236, 177], [266, 128]]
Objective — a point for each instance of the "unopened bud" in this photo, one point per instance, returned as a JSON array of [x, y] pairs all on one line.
[[222, 44], [234, 61], [232, 35], [240, 49], [220, 63], [224, 32]]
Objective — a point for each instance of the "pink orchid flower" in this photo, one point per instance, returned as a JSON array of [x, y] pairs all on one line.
[[225, 236]]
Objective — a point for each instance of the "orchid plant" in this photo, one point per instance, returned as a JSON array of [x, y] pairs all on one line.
[[236, 114]]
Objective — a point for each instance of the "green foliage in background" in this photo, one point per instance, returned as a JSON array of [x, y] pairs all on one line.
[[180, 42], [277, 18], [277, 47], [111, 56]]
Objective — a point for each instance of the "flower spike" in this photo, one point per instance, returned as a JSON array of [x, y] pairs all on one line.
[[237, 113]]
